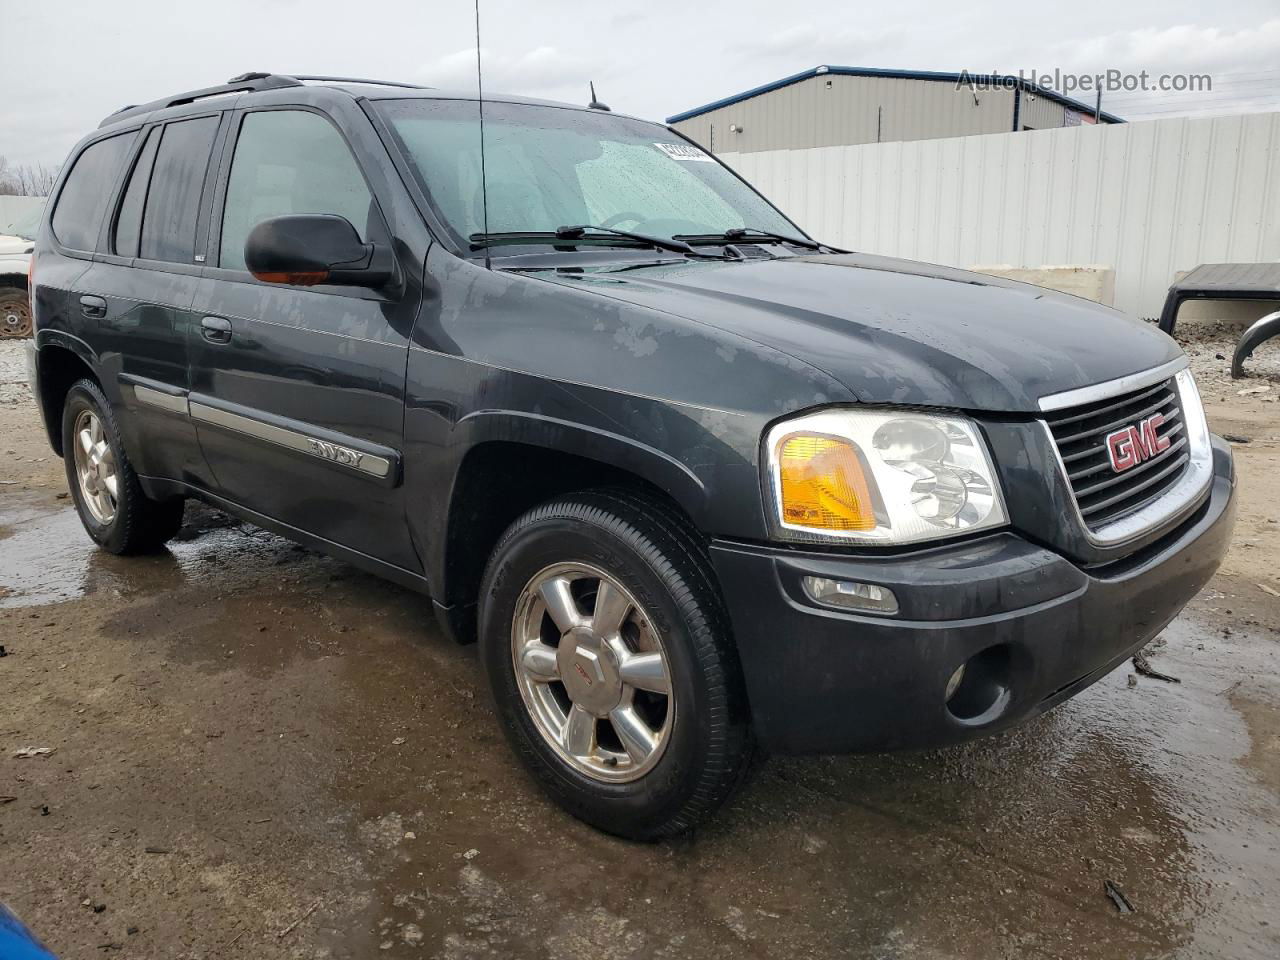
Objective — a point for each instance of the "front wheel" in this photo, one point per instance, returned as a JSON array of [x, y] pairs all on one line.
[[114, 510], [609, 657]]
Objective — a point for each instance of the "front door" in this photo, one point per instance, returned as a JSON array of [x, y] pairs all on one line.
[[298, 392]]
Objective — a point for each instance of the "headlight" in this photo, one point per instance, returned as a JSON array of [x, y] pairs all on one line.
[[881, 476]]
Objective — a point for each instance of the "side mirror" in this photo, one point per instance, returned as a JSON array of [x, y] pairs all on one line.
[[311, 248]]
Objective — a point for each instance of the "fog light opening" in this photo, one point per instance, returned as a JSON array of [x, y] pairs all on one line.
[[851, 595], [980, 690]]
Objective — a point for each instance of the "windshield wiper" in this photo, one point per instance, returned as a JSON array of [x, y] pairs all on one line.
[[738, 234], [571, 236], [662, 243]]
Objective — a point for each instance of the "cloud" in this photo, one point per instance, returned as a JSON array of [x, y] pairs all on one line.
[[1183, 47], [1241, 65], [805, 45], [544, 72]]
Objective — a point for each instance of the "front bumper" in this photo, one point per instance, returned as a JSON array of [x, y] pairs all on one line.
[[1041, 629]]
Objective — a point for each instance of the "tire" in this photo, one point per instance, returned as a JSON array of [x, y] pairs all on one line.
[[135, 523], [654, 563], [15, 314]]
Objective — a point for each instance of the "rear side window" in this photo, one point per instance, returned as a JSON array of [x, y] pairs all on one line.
[[290, 161], [129, 223], [84, 197], [173, 197]]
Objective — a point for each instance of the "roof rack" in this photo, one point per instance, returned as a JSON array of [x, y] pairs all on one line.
[[245, 83], [372, 83]]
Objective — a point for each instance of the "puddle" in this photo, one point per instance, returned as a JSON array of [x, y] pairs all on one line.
[[48, 557]]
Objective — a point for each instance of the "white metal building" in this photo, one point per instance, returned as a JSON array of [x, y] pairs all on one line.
[[1147, 200], [839, 106]]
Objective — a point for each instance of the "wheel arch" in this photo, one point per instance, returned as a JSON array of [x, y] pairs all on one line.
[[1251, 339], [61, 360], [514, 462]]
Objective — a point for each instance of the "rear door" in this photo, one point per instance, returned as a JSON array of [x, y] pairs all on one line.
[[298, 392], [142, 285]]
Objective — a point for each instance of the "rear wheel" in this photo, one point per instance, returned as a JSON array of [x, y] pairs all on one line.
[[114, 510], [15, 313], [615, 677]]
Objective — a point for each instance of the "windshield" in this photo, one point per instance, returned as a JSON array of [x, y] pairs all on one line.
[[549, 167], [25, 224]]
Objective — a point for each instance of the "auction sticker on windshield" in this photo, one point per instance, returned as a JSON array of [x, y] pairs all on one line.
[[683, 151]]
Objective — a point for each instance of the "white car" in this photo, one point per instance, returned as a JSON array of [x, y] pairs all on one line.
[[17, 240]]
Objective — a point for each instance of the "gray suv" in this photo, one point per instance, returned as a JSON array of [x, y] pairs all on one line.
[[694, 480]]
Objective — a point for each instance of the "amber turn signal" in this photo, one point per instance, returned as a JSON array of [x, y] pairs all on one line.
[[822, 484], [308, 278]]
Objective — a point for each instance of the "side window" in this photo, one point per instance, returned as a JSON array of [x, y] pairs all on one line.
[[289, 161], [83, 200], [129, 222], [173, 198]]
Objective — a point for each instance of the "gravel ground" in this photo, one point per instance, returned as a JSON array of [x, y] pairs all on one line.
[[1210, 347], [13, 372], [262, 753]]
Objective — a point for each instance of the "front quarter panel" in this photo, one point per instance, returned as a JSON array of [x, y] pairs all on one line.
[[503, 356]]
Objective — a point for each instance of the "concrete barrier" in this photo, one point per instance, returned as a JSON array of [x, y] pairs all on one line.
[[1093, 282]]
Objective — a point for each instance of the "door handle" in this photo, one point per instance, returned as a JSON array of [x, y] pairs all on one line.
[[216, 329], [95, 308]]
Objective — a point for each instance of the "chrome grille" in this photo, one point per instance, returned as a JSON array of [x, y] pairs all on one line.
[[1080, 433]]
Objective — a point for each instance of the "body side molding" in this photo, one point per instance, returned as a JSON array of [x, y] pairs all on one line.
[[372, 460]]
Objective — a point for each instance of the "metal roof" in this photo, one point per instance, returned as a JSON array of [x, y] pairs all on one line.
[[985, 79]]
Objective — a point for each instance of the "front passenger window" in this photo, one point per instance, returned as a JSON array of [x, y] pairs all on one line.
[[289, 161]]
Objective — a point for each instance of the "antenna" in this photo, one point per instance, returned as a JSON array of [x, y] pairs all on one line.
[[594, 104], [484, 186]]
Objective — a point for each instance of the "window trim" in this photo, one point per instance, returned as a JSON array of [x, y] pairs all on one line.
[[197, 261], [113, 189], [107, 239], [217, 216], [135, 158]]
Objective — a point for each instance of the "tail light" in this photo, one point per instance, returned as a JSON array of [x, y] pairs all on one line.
[[31, 287]]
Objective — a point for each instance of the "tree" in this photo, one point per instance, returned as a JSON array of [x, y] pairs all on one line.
[[27, 179]]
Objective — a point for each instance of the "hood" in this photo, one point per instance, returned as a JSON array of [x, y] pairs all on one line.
[[898, 331], [10, 245]]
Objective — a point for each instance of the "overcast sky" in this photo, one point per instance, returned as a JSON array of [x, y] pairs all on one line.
[[67, 65]]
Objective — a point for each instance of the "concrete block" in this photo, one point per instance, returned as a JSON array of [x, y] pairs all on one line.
[[1093, 282]]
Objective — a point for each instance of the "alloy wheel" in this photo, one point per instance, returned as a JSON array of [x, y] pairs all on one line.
[[592, 672], [95, 468]]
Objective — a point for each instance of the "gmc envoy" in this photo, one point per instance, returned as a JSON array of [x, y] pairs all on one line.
[[693, 480]]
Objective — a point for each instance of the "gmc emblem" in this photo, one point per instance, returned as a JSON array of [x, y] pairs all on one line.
[[1130, 446]]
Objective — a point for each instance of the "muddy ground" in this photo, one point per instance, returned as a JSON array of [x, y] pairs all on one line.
[[260, 753]]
